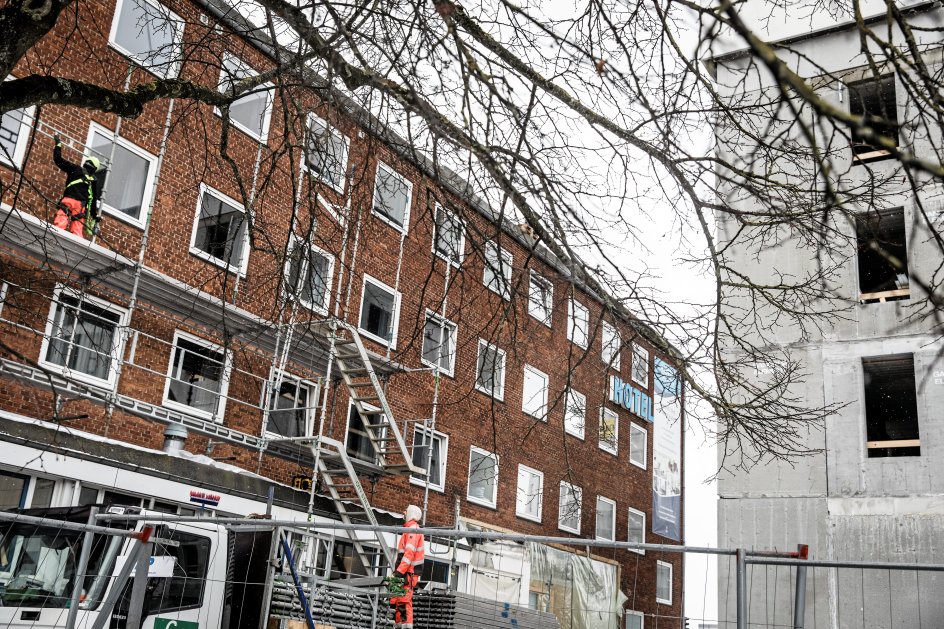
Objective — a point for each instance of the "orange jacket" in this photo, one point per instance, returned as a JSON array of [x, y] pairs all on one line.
[[412, 550]]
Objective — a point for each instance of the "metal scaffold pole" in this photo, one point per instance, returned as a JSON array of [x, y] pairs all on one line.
[[741, 560]]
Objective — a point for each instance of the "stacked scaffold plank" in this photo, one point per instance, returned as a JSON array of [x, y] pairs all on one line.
[[338, 608], [438, 609]]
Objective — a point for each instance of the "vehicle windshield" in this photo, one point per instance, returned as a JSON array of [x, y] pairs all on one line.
[[38, 566]]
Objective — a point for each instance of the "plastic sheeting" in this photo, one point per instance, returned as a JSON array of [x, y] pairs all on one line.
[[582, 592]]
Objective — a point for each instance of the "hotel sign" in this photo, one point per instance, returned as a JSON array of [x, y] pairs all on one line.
[[629, 397]]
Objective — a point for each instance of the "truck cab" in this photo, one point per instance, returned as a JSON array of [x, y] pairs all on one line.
[[187, 583]]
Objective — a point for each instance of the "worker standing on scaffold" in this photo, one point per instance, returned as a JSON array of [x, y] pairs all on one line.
[[79, 208], [411, 552]]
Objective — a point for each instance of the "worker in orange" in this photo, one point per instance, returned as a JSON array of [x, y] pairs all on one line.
[[79, 208], [411, 551]]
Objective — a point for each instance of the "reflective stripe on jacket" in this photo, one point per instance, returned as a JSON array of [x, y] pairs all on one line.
[[412, 549]]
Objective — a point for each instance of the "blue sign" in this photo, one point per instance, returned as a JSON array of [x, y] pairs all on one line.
[[629, 397]]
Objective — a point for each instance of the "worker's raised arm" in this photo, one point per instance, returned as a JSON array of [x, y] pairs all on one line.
[[61, 162]]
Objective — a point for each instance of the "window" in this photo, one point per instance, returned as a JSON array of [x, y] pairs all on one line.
[[490, 370], [12, 490], [290, 407], [220, 232], [380, 311], [439, 343], [606, 519], [14, 135], [392, 194], [575, 413], [435, 572], [634, 619], [434, 458], [530, 493], [663, 582], [150, 34], [43, 489], [130, 175], [183, 590], [308, 275], [612, 343], [636, 530], [534, 393], [568, 517], [540, 298], [358, 442], [638, 445], [198, 377], [609, 430], [891, 406], [882, 256], [448, 236], [483, 477], [874, 97], [326, 156], [497, 273], [82, 338], [578, 326], [640, 365], [251, 112]]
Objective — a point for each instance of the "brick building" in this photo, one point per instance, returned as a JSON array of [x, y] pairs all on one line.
[[238, 273]]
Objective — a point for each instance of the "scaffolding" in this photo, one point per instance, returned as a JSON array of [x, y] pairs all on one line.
[[317, 351]]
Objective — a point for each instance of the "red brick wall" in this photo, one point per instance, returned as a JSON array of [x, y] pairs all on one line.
[[192, 157]]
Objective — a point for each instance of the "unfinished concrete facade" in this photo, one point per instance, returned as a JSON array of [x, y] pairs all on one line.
[[872, 488]]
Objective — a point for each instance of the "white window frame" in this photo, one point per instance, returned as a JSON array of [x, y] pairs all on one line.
[[499, 392], [334, 131], [370, 409], [263, 90], [612, 343], [298, 241], [519, 493], [461, 247], [573, 307], [542, 412], [224, 383], [631, 512], [313, 398], [577, 492], [240, 270], [567, 406], [499, 267], [443, 455], [537, 278], [395, 324], [663, 564], [22, 137], [179, 32], [633, 426], [149, 181], [638, 351], [117, 351], [596, 532], [453, 336], [612, 448], [468, 493], [409, 198], [640, 615]]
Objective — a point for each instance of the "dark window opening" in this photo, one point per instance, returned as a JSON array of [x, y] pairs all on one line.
[[891, 406], [435, 572], [346, 563], [874, 97], [883, 256], [359, 445]]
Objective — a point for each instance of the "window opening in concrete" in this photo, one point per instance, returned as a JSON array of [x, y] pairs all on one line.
[[891, 406], [874, 97], [882, 256]]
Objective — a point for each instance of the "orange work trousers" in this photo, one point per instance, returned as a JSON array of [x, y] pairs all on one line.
[[70, 216], [403, 605]]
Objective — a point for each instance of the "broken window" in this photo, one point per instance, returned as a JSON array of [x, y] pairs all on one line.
[[891, 406], [882, 255], [874, 98]]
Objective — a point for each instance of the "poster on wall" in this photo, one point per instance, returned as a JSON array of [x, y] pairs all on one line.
[[667, 453]]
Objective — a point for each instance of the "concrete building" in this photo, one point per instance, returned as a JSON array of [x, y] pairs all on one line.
[[529, 406], [873, 487]]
